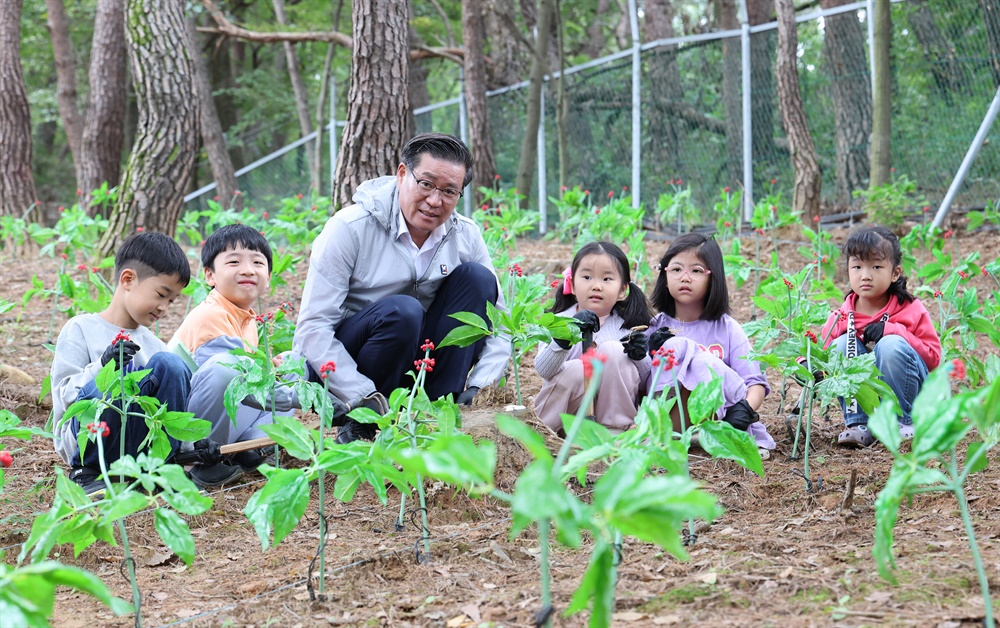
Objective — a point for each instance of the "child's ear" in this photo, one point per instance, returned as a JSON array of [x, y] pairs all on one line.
[[209, 277], [897, 272], [128, 279]]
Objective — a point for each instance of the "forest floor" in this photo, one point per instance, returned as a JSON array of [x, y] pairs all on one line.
[[779, 555]]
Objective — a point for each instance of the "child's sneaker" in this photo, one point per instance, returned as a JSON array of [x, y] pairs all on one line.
[[906, 431], [89, 480], [856, 436]]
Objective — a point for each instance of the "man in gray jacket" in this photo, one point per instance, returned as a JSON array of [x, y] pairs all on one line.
[[386, 273]]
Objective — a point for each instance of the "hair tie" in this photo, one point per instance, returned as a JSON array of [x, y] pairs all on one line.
[[568, 281]]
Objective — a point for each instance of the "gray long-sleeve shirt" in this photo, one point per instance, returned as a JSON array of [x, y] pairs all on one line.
[[358, 260]]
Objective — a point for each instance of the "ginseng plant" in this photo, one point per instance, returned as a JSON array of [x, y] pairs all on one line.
[[940, 423]]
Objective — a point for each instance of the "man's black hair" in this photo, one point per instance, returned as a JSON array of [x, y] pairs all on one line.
[[708, 251], [878, 243], [439, 146], [231, 236], [150, 253]]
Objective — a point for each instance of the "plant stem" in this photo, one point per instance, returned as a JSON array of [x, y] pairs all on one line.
[[963, 506], [543, 555], [517, 372], [124, 412], [136, 597], [55, 300], [805, 449]]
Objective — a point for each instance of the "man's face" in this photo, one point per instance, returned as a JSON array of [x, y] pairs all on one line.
[[428, 194]]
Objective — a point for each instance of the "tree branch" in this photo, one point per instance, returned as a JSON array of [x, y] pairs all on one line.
[[224, 27]]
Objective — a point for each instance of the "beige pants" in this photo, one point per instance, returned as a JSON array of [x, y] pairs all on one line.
[[615, 403]]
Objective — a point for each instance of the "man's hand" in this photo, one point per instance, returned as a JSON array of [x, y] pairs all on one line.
[[636, 345], [587, 321], [374, 401], [873, 332], [127, 352], [741, 415], [466, 396], [658, 337], [204, 451]]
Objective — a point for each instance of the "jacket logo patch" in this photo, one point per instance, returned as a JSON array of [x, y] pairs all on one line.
[[444, 269]]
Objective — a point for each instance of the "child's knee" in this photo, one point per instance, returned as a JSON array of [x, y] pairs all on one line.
[[613, 352], [840, 343], [166, 365]]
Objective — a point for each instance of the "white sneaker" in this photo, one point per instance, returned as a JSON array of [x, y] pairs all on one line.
[[906, 431]]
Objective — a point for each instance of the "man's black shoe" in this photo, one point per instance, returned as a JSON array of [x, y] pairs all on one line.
[[251, 459], [215, 475], [352, 431], [89, 480]]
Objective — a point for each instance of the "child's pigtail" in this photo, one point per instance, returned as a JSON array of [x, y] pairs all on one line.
[[563, 293], [634, 308]]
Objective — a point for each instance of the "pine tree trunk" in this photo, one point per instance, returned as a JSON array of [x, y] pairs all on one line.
[[844, 52], [211, 128], [991, 19], [298, 88], [938, 50], [104, 124], [159, 169], [480, 135], [65, 57], [506, 50], [805, 197], [881, 156], [377, 105], [17, 187], [665, 86], [529, 143], [731, 92], [416, 84]]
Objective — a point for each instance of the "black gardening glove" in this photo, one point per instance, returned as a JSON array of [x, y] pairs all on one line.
[[658, 337], [589, 325], [741, 415], [128, 350], [373, 401], [873, 332], [636, 345], [466, 396], [817, 374], [204, 451]]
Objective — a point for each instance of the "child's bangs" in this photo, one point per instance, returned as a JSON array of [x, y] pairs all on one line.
[[867, 245]]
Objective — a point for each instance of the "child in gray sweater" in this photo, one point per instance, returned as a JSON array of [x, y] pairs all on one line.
[[150, 272]]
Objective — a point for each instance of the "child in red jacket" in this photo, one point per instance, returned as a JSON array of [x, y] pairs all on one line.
[[879, 315]]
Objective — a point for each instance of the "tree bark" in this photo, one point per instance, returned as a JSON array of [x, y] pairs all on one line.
[[377, 109], [731, 81], [298, 87], [805, 197], [881, 156], [416, 84], [158, 173], [480, 136], [65, 57], [844, 52], [506, 44], [17, 187], [939, 52], [529, 144], [211, 128], [665, 85], [104, 123], [761, 95], [594, 44], [991, 19]]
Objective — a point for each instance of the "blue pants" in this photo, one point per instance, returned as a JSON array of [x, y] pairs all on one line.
[[901, 368], [384, 338], [169, 381]]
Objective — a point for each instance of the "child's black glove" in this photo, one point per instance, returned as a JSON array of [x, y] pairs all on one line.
[[466, 396], [128, 350], [588, 323], [741, 415], [658, 337], [636, 345], [873, 332], [817, 374]]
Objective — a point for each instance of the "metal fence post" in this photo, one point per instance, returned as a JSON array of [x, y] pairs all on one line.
[[870, 23], [333, 133], [747, 113], [633, 18], [542, 198], [463, 133]]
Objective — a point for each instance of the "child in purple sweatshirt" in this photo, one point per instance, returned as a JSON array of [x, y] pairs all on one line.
[[694, 321]]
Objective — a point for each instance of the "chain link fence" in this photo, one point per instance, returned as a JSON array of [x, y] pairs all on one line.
[[945, 71]]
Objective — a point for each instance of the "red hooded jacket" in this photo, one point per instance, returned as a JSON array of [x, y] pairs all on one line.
[[910, 320]]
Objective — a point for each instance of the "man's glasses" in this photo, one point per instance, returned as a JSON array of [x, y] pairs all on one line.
[[427, 188], [676, 271]]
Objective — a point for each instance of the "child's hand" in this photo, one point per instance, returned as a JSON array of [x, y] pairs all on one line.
[[873, 332], [127, 352], [741, 415], [279, 359], [636, 345], [587, 321], [659, 337]]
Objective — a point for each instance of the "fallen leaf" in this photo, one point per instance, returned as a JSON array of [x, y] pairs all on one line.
[[498, 551], [667, 620], [159, 596], [629, 616], [879, 597], [786, 573], [473, 612], [184, 613], [155, 558], [708, 578], [456, 621]]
